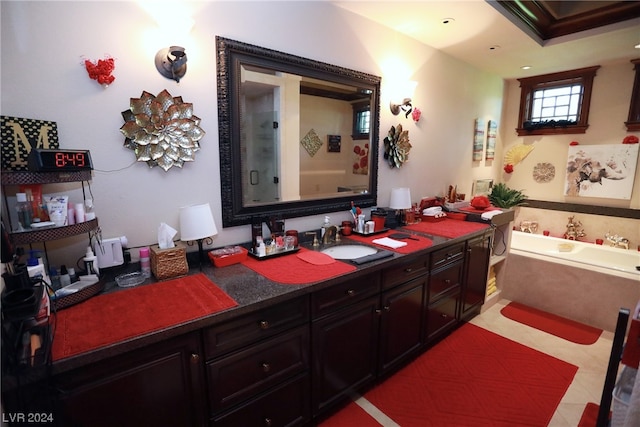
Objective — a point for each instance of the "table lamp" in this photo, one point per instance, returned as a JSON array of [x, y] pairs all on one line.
[[400, 201], [196, 224]]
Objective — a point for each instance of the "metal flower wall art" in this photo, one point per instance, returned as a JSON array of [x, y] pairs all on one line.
[[397, 146], [161, 130]]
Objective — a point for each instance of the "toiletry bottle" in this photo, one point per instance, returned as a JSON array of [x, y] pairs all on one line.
[[23, 207], [65, 279], [90, 262], [55, 278], [327, 224], [145, 264], [89, 213]]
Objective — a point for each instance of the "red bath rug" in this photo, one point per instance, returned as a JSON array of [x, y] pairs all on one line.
[[567, 329], [477, 378]]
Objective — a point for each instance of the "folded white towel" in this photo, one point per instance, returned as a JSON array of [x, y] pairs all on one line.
[[391, 243]]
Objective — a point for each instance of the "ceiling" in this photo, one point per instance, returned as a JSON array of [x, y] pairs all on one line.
[[503, 36]]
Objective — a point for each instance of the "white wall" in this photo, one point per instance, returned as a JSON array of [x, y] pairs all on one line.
[[44, 44]]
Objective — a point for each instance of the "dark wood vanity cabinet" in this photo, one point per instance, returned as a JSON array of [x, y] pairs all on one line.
[[161, 384], [476, 267], [344, 333], [256, 362], [444, 291]]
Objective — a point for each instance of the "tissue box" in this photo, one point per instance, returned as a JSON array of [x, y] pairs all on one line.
[[169, 263]]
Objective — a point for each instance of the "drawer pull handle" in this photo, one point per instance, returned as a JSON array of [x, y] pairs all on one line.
[[264, 324], [444, 316], [351, 292], [266, 367], [378, 311], [408, 270], [195, 357], [268, 422], [447, 281], [387, 307]]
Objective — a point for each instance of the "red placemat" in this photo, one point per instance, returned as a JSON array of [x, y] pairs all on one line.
[[111, 318], [292, 270], [450, 228], [411, 246]]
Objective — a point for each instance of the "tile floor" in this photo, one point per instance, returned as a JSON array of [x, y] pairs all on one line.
[[592, 361]]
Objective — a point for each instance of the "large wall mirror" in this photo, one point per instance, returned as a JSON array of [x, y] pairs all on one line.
[[298, 137]]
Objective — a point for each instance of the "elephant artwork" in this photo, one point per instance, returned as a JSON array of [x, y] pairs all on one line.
[[606, 171]]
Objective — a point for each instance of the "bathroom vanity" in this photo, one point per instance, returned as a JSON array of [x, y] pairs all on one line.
[[286, 355]]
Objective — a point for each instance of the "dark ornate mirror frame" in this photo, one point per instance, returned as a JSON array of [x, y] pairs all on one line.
[[230, 54]]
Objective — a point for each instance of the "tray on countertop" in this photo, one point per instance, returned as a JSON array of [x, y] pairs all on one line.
[[274, 254]]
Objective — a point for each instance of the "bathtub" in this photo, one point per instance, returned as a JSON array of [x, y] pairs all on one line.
[[588, 283], [602, 258]]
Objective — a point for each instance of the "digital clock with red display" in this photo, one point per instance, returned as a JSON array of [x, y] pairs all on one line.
[[44, 160]]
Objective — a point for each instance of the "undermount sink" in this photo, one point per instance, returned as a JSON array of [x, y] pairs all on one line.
[[349, 251]]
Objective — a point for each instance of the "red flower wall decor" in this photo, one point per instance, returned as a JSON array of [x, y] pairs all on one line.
[[101, 70], [508, 168]]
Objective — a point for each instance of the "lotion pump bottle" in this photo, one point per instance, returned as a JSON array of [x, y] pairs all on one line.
[[326, 225]]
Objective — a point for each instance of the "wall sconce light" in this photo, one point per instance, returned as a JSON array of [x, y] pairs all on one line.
[[197, 224], [171, 62], [404, 106]]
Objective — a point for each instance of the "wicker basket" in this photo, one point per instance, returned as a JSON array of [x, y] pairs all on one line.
[[169, 263]]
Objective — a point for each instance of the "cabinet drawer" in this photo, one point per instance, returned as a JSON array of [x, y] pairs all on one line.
[[444, 281], [447, 255], [247, 329], [405, 271], [343, 294], [286, 405], [241, 375], [442, 315]]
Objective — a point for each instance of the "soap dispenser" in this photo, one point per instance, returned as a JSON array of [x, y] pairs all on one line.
[[325, 226]]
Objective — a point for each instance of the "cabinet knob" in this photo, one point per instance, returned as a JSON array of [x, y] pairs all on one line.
[[444, 316], [447, 281], [195, 357], [268, 422], [351, 292], [264, 324], [387, 307], [266, 367]]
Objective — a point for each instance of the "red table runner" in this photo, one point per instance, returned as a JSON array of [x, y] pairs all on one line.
[[411, 246], [115, 317], [450, 228], [292, 270]]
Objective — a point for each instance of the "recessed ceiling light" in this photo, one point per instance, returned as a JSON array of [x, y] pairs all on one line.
[[448, 20], [494, 47], [526, 67]]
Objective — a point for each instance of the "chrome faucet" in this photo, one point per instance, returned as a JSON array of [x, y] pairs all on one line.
[[617, 241], [330, 234]]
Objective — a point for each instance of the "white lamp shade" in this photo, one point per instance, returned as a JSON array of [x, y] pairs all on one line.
[[400, 198], [196, 222]]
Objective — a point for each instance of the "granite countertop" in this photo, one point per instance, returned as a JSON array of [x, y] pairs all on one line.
[[249, 289]]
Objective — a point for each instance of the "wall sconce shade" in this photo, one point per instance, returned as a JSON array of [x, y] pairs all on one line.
[[197, 224], [404, 106], [171, 62], [400, 198]]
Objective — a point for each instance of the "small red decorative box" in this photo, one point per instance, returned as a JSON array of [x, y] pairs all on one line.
[[221, 259], [431, 218]]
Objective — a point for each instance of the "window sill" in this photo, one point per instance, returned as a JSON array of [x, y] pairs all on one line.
[[552, 130]]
